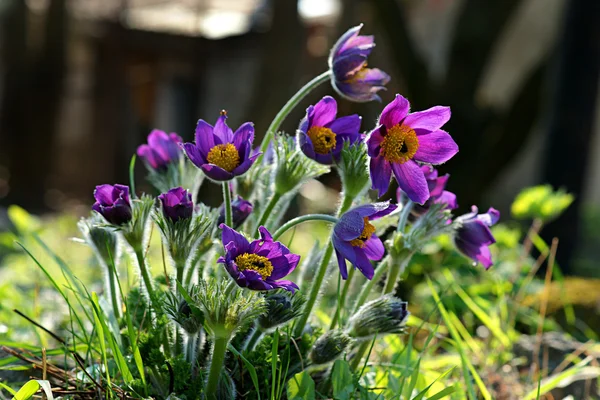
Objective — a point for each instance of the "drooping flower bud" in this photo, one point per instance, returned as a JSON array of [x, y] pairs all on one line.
[[387, 314], [240, 210], [177, 204], [473, 236], [329, 346], [282, 306], [112, 202]]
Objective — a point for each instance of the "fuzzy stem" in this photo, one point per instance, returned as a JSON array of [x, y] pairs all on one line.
[[112, 275], [254, 339], [287, 108], [368, 285], [218, 357], [304, 218], [342, 300], [268, 209], [404, 215], [318, 281], [178, 334], [397, 264], [146, 277], [227, 202]]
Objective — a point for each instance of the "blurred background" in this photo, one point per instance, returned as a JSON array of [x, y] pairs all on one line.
[[82, 83]]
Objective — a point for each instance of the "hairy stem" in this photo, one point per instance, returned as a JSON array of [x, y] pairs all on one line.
[[268, 210], [216, 364], [397, 265], [227, 202], [304, 218], [342, 300]]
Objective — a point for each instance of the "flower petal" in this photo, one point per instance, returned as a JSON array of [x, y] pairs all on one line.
[[394, 112], [381, 173], [374, 141], [342, 264], [286, 285], [436, 147], [194, 154], [216, 173], [447, 198], [412, 181], [245, 166], [230, 235], [325, 111], [205, 139], [222, 131], [374, 249], [431, 119], [244, 134], [374, 210], [349, 226], [349, 124]]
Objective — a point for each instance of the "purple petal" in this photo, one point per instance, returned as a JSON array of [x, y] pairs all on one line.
[[437, 185], [349, 226], [222, 131], [284, 265], [374, 249], [412, 181], [216, 173], [205, 139], [245, 166], [342, 264], [491, 217], [104, 194], [341, 42], [447, 198], [374, 141], [436, 147], [264, 234], [232, 236], [431, 119], [194, 154], [346, 125], [374, 210], [346, 66], [244, 134], [381, 173], [394, 112], [363, 263], [325, 111], [283, 284]]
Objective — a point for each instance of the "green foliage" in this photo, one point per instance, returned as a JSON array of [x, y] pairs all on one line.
[[541, 202]]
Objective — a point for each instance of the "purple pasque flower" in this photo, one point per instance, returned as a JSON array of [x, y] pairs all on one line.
[[473, 236], [162, 149], [350, 76], [177, 204], [112, 202], [322, 136], [221, 153], [354, 238], [400, 140], [258, 265], [240, 210], [437, 195]]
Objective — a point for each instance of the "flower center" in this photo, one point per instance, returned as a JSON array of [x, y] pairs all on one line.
[[399, 144], [366, 234], [323, 139], [225, 156], [358, 75], [255, 263]]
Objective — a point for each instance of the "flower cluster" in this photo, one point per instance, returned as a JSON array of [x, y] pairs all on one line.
[[230, 271]]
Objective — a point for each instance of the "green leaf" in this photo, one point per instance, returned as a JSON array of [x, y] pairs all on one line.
[[7, 388], [301, 386], [443, 393], [343, 380], [31, 388], [250, 367], [423, 392], [541, 202]]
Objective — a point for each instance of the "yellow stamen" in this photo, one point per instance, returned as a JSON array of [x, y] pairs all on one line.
[[358, 75], [256, 263], [366, 234], [225, 156], [399, 144], [323, 139]]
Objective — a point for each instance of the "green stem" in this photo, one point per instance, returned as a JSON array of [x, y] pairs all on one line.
[[268, 210], [146, 277], [192, 268], [178, 334], [368, 285], [318, 281], [287, 108], [404, 215], [112, 275], [397, 265], [227, 202], [362, 349], [342, 300], [254, 339], [218, 357], [304, 218]]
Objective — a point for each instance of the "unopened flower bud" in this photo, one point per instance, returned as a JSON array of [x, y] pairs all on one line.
[[352, 168], [112, 202], [177, 204], [386, 314], [281, 308], [240, 210], [329, 347]]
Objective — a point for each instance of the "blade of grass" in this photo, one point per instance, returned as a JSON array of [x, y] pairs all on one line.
[[443, 393], [274, 349], [251, 369], [423, 392], [466, 363]]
